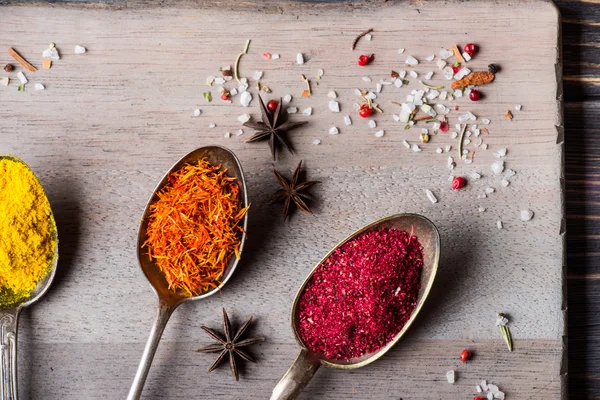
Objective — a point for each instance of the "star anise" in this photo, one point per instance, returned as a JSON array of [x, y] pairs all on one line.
[[293, 191], [229, 345], [272, 128]]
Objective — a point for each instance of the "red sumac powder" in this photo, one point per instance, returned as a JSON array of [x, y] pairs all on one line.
[[362, 295]]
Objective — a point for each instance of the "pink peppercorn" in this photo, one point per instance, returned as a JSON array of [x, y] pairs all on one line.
[[444, 126], [362, 295]]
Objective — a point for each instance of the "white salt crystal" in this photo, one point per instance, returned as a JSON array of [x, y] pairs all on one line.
[[485, 146], [320, 73], [518, 107], [316, 141], [245, 99], [39, 86], [209, 80], [239, 132], [476, 132], [414, 74], [243, 118], [434, 200], [464, 71], [334, 130], [467, 117], [478, 389], [480, 209], [378, 87], [51, 53], [233, 92], [440, 64], [466, 56], [398, 83], [275, 56], [468, 133], [334, 106], [379, 133], [425, 108], [448, 148], [450, 374], [368, 36], [307, 111], [424, 130], [227, 135], [299, 59], [443, 95], [402, 74], [458, 93], [22, 77], [526, 215], [510, 173], [80, 49], [485, 121], [481, 196], [400, 51], [430, 58], [384, 82], [439, 150], [498, 167], [454, 135], [211, 125], [444, 54], [499, 224], [467, 141], [332, 94], [432, 94], [219, 81], [499, 395], [372, 123], [292, 110], [406, 144], [410, 60], [366, 79], [4, 81], [258, 75], [501, 153], [493, 389], [197, 112], [450, 160], [371, 96], [478, 142], [505, 183], [396, 117], [416, 148], [347, 120], [484, 386], [490, 190], [448, 73], [490, 396], [287, 98], [356, 106], [501, 320]]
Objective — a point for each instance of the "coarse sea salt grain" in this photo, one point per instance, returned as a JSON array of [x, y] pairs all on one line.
[[481, 209], [509, 173], [469, 116], [287, 98], [307, 111], [439, 150], [244, 118], [499, 224], [444, 54], [368, 36], [197, 112], [371, 96], [227, 135], [526, 215], [332, 94], [378, 87], [490, 190], [396, 117], [275, 56], [440, 64], [219, 81], [484, 146], [80, 49], [372, 123], [347, 120], [406, 144], [245, 99], [334, 106], [478, 142], [39, 86], [481, 196], [466, 56], [320, 73], [316, 141], [518, 107], [211, 125], [464, 71], [505, 183], [4, 81], [448, 73], [458, 93], [334, 130], [379, 133], [416, 148], [414, 74], [450, 376], [498, 167], [239, 132], [366, 79], [22, 77], [299, 59], [454, 135], [292, 110], [410, 60], [501, 153], [448, 148], [400, 51], [485, 121], [398, 83], [430, 196], [233, 92], [430, 58], [475, 175], [467, 141], [257, 75]]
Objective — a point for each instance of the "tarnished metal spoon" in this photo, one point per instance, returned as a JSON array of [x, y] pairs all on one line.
[[308, 362], [168, 300], [9, 318]]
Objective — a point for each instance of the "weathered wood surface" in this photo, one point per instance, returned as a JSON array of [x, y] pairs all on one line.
[[111, 121]]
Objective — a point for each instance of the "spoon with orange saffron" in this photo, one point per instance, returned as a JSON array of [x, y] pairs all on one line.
[[169, 299]]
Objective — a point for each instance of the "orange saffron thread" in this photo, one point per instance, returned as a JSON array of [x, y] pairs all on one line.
[[193, 227]]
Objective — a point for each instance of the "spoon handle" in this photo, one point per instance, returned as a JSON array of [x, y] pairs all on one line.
[[9, 321], [162, 317], [297, 377]]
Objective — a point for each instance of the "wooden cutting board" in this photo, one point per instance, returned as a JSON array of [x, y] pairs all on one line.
[[110, 123]]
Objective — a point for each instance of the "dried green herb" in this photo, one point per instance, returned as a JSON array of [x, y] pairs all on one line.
[[21, 88], [460, 141], [504, 330], [229, 345], [207, 96], [237, 61]]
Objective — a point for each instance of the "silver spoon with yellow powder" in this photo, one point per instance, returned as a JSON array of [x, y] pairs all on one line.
[[28, 257]]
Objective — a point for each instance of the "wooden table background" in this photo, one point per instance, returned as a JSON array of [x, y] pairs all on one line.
[[581, 60]]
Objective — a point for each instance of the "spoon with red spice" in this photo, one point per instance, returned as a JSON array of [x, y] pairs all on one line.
[[168, 298], [361, 298]]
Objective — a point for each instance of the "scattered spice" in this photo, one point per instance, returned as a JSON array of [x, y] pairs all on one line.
[[272, 128], [13, 53], [508, 115], [361, 296], [28, 231], [21, 88], [229, 345], [365, 110], [476, 78], [431, 87], [307, 92], [458, 183], [267, 56], [460, 141], [474, 95], [47, 64], [422, 118], [470, 49], [237, 61], [8, 68], [207, 96], [465, 355], [394, 74], [293, 191], [193, 227], [459, 58], [366, 59], [424, 138], [356, 39], [502, 321]]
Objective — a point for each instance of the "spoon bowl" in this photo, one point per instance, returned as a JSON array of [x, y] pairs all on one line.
[[9, 314], [169, 300], [308, 362]]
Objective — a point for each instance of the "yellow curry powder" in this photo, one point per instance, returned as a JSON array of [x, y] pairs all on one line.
[[27, 232]]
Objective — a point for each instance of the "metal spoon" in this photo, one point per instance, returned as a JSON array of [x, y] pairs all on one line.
[[308, 362], [168, 300], [9, 318]]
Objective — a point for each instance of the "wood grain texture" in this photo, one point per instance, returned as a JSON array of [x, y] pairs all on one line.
[[111, 121]]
